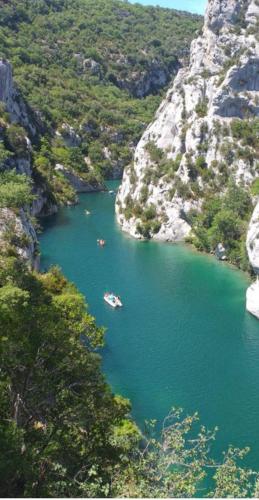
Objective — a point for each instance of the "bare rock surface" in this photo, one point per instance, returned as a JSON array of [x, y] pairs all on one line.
[[252, 244], [220, 84], [193, 126], [19, 228], [78, 182], [19, 110]]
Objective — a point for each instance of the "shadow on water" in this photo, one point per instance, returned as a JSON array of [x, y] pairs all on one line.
[[58, 219]]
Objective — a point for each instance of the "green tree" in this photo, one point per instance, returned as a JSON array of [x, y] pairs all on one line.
[[16, 140], [177, 464], [61, 428], [15, 190], [62, 432], [226, 227]]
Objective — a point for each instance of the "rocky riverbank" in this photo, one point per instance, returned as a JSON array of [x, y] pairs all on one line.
[[198, 139]]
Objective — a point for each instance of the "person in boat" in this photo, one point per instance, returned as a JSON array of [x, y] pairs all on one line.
[[101, 242], [113, 300]]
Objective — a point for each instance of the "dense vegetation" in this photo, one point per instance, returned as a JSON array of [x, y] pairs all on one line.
[[62, 431], [224, 219], [84, 63], [15, 151], [15, 190]]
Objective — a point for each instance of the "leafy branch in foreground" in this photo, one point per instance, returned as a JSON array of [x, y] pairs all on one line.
[[62, 431], [177, 464]]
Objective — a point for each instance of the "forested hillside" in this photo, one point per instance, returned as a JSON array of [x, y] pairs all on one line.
[[93, 71]]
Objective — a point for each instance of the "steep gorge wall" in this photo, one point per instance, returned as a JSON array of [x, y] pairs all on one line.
[[191, 133], [252, 244], [15, 221], [221, 84], [18, 109], [44, 203]]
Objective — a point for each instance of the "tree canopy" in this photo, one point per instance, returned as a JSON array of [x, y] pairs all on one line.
[[82, 62], [62, 431]]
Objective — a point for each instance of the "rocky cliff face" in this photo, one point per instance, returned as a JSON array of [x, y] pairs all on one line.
[[19, 223], [78, 182], [252, 241], [149, 81], [11, 222], [18, 109], [191, 135], [18, 229], [252, 244]]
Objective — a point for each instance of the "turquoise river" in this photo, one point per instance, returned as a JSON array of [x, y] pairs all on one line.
[[183, 337]]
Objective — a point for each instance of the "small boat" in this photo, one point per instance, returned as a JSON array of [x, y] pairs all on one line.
[[111, 192], [87, 212], [112, 300], [102, 243]]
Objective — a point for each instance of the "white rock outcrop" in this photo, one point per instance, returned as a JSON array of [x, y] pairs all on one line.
[[252, 245], [192, 125], [78, 182], [252, 241], [18, 229], [69, 135], [252, 299]]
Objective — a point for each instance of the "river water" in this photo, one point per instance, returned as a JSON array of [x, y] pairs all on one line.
[[183, 337]]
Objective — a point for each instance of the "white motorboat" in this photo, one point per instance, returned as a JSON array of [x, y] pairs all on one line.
[[87, 212], [112, 300]]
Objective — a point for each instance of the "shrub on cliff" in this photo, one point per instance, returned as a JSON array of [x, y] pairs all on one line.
[[224, 220], [15, 190]]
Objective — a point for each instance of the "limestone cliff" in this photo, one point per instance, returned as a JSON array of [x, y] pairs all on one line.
[[253, 239], [18, 109], [21, 160], [252, 243], [191, 135], [12, 222], [17, 228], [78, 182]]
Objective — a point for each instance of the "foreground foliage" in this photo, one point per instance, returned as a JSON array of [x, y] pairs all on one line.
[[59, 419], [62, 431]]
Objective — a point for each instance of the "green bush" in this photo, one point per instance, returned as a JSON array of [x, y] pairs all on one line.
[[15, 190], [255, 187], [156, 154], [202, 108], [224, 219], [15, 138]]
